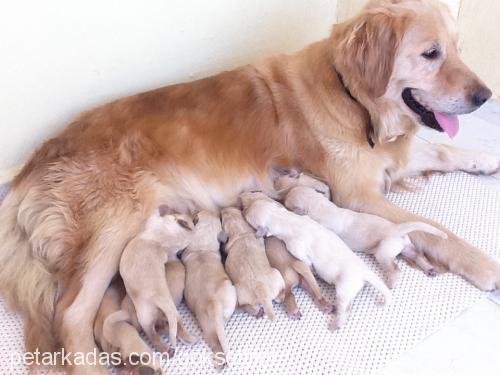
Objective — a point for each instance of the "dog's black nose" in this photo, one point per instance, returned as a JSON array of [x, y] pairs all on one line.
[[481, 96]]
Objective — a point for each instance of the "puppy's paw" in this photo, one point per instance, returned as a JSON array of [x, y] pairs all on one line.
[[220, 361], [335, 324], [325, 306], [484, 164], [432, 272], [259, 314], [171, 352], [296, 315]]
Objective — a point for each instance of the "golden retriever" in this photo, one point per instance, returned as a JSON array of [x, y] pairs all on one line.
[[344, 109]]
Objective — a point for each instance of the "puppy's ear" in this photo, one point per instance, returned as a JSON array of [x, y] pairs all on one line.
[[261, 232], [165, 210], [293, 173], [222, 237], [299, 211], [195, 219], [325, 193], [185, 224], [365, 50], [179, 254]]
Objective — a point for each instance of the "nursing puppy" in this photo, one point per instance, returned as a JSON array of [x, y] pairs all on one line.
[[209, 293], [142, 267], [295, 273], [287, 180], [364, 232], [256, 282], [317, 246], [114, 333]]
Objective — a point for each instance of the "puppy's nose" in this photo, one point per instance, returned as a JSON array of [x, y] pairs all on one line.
[[481, 96]]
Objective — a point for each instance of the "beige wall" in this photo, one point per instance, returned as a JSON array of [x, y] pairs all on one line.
[[59, 57], [480, 39], [479, 34]]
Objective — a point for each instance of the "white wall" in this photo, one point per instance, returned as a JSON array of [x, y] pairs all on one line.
[[59, 57]]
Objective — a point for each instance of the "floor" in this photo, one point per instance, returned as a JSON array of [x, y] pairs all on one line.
[[470, 343]]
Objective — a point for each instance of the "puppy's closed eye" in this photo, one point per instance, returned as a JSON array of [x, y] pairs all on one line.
[[183, 223], [195, 219]]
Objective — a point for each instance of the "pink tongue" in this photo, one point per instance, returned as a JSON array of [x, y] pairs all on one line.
[[448, 123]]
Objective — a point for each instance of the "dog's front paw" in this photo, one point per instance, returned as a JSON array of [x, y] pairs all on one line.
[[488, 279], [483, 163]]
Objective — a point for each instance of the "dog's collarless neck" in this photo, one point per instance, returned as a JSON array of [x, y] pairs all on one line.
[[369, 130]]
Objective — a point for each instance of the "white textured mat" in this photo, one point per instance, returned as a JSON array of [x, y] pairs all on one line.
[[373, 335]]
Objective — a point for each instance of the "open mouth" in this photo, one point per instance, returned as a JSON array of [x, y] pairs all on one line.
[[435, 120]]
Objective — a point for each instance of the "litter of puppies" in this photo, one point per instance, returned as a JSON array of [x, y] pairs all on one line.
[[243, 259]]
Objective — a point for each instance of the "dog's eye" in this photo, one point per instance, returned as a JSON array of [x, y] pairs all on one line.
[[431, 54]]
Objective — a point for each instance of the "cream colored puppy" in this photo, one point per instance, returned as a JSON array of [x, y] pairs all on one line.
[[209, 292], [295, 273], [317, 246], [364, 232], [256, 282], [142, 267], [286, 180], [114, 332]]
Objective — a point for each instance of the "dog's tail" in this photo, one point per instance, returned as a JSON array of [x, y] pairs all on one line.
[[25, 282], [378, 284], [413, 226]]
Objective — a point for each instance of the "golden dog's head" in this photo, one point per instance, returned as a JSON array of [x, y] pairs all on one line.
[[400, 59]]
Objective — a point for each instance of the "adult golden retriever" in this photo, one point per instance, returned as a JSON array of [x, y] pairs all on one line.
[[345, 109]]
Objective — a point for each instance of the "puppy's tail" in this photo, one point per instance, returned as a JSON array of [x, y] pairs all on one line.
[[25, 282], [413, 226], [378, 284], [108, 327], [219, 326]]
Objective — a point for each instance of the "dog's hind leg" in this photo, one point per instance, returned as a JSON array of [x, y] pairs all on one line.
[[76, 310], [291, 308], [212, 325], [309, 283], [385, 254], [346, 288]]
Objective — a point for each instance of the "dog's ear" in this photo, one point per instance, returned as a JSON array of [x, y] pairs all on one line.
[[366, 48], [165, 210], [261, 232], [185, 224], [222, 237]]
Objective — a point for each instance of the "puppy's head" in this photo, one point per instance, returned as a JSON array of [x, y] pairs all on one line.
[[284, 182], [170, 218], [400, 59], [248, 197], [208, 228]]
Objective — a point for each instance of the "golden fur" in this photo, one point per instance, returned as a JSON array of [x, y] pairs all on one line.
[[85, 193]]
